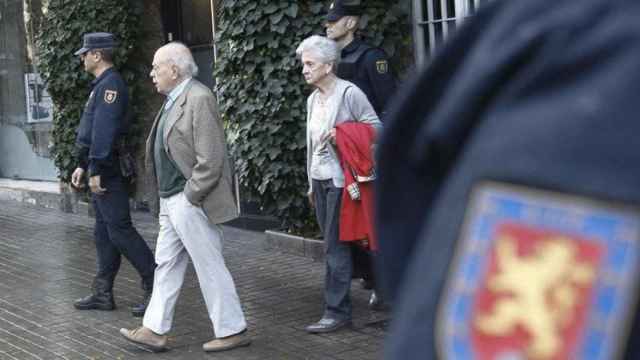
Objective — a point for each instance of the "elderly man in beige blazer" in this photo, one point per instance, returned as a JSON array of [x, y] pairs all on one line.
[[186, 153]]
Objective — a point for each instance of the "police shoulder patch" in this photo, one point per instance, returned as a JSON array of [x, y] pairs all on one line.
[[540, 275], [382, 66], [110, 96]]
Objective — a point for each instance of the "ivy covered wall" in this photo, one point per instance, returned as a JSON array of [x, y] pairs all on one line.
[[64, 23], [260, 88], [138, 29], [262, 94]]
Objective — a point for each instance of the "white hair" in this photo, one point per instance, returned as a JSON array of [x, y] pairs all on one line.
[[179, 55], [324, 49]]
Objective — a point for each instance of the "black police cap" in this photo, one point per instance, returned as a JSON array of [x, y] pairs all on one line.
[[97, 40], [340, 8]]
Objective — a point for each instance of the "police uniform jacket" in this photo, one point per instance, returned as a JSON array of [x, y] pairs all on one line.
[[103, 124], [368, 68], [194, 139], [542, 94]]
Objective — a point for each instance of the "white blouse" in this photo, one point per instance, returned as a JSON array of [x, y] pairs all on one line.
[[324, 162]]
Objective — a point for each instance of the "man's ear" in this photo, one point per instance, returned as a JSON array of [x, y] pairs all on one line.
[[175, 70], [352, 23]]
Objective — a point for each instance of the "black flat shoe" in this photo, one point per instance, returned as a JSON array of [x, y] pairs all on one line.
[[326, 325], [95, 302]]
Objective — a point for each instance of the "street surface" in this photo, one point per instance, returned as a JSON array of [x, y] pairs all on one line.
[[47, 260]]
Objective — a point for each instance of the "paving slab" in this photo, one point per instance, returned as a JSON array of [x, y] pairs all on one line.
[[47, 260]]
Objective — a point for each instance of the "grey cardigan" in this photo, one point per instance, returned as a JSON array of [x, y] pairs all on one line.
[[348, 103]]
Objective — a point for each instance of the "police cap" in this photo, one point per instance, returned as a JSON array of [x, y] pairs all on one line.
[[97, 40], [340, 8]]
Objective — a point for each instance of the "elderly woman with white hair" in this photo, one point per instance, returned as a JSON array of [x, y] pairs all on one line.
[[333, 102]]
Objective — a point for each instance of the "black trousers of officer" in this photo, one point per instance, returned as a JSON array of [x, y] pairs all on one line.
[[116, 236]]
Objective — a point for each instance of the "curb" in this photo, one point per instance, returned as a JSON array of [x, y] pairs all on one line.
[[292, 244], [57, 197], [63, 200]]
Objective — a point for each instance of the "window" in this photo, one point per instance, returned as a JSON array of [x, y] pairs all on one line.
[[188, 21], [196, 22], [191, 22], [434, 20], [25, 107]]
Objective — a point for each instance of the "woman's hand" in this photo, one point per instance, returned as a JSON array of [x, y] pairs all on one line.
[[311, 200]]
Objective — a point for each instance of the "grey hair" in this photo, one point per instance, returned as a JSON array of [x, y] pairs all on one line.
[[179, 55], [325, 49]]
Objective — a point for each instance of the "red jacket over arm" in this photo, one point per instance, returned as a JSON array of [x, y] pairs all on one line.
[[354, 141]]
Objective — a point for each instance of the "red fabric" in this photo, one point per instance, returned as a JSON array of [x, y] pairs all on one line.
[[354, 141]]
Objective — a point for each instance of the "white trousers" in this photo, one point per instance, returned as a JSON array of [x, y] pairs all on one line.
[[186, 231]]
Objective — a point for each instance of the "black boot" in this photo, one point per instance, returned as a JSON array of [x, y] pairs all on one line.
[[101, 299], [139, 309]]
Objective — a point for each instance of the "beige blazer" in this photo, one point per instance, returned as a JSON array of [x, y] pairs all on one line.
[[194, 138]]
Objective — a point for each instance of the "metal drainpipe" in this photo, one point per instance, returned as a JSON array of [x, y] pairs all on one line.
[[213, 30]]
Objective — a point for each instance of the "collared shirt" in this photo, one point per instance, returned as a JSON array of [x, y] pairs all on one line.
[[175, 93]]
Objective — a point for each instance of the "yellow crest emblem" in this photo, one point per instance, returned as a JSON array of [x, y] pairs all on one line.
[[110, 96], [535, 277], [382, 66]]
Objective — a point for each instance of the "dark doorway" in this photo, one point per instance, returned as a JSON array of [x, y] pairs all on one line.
[[191, 22]]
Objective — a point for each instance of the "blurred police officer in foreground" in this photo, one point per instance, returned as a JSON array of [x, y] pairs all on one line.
[[367, 67], [102, 126], [509, 186]]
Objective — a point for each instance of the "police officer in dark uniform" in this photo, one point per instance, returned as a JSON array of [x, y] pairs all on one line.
[[360, 63], [102, 127], [509, 188], [367, 67]]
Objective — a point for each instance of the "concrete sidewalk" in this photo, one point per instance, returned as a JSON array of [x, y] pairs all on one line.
[[47, 259]]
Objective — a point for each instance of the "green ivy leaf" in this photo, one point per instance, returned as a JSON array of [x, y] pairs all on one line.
[[270, 9]]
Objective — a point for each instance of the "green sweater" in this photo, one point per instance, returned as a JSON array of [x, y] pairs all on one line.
[[170, 179]]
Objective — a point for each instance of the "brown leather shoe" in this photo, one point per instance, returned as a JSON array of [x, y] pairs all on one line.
[[144, 336], [227, 343]]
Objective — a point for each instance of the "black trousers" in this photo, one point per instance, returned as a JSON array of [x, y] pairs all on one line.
[[115, 235]]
